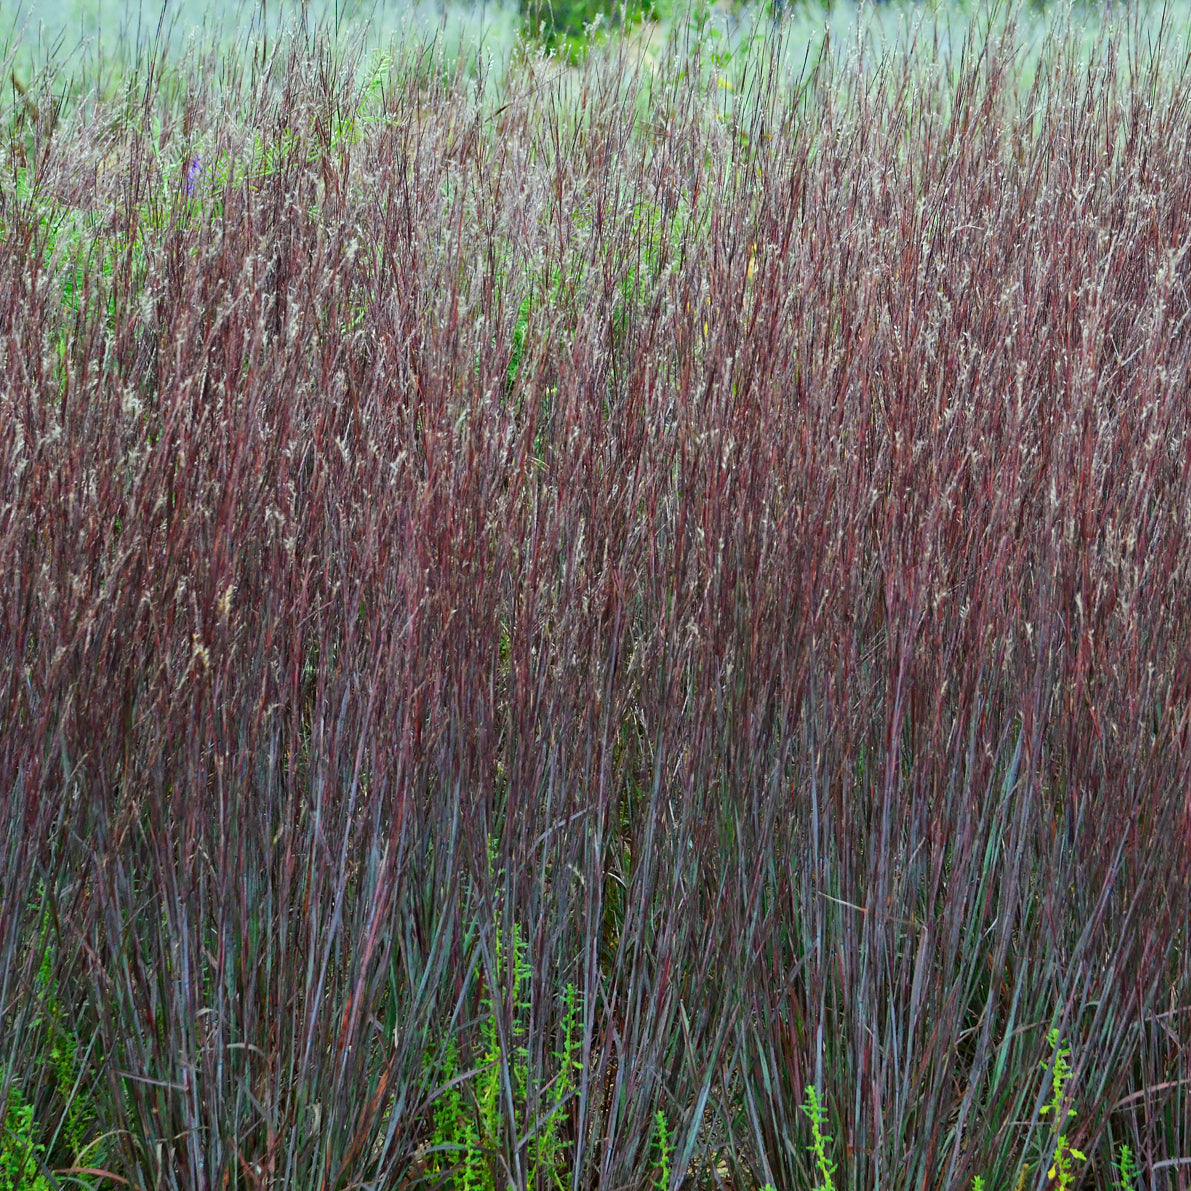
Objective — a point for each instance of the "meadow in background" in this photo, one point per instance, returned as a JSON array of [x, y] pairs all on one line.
[[83, 39], [605, 620]]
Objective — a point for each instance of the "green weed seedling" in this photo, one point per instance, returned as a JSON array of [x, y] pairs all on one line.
[[78, 1119], [64, 1046], [1061, 1165], [549, 1147], [455, 1131], [19, 1149], [465, 1134], [488, 1089], [665, 1151], [1126, 1169], [819, 1140]]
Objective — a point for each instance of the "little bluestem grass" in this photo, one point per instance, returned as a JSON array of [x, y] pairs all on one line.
[[541, 597]]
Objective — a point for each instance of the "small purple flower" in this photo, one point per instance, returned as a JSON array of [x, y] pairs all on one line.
[[192, 175]]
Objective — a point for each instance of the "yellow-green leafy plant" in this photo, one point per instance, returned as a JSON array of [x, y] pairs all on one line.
[[488, 1089], [1126, 1169], [1061, 1164], [1060, 1167], [62, 1045], [456, 1137], [465, 1134], [64, 1057], [665, 1150], [548, 1149], [819, 1140], [19, 1149]]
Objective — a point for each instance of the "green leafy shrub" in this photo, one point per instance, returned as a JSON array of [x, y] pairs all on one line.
[[567, 25]]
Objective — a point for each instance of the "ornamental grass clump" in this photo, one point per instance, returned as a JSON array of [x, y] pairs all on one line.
[[538, 598]]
